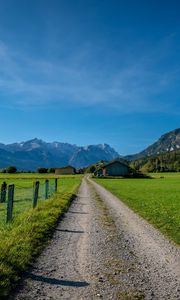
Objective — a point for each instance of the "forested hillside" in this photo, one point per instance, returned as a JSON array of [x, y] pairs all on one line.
[[167, 162]]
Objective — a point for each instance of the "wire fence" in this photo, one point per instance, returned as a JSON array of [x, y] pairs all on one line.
[[23, 195]]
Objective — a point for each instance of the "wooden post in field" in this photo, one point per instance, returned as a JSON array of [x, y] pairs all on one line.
[[46, 188], [10, 203], [56, 185], [36, 192], [3, 192]]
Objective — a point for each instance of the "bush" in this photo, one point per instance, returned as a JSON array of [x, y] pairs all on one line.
[[11, 169], [51, 170], [91, 169], [42, 170]]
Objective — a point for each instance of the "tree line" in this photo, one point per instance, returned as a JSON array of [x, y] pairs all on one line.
[[165, 162], [13, 169]]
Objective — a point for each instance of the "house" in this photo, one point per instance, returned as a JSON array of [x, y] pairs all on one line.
[[113, 168], [68, 170]]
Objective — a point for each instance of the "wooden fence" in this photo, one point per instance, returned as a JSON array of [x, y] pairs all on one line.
[[41, 189]]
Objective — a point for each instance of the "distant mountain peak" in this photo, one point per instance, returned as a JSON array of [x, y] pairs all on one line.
[[35, 140], [168, 142], [34, 153], [92, 153]]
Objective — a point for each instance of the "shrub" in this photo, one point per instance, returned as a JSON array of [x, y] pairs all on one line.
[[11, 169], [51, 170], [42, 170]]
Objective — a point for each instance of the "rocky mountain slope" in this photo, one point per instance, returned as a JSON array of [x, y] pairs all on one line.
[[36, 153], [167, 142]]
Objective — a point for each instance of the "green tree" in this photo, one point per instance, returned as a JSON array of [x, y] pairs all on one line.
[[42, 170], [11, 169], [51, 170], [91, 169], [177, 166]]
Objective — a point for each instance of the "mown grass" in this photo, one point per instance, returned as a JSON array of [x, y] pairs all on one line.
[[22, 241], [157, 200]]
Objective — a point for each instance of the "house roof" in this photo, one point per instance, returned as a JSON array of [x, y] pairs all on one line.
[[111, 163], [66, 167], [115, 161]]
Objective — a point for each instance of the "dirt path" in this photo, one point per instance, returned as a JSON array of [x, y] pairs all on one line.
[[102, 250]]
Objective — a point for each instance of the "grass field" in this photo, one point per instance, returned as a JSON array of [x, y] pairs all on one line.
[[157, 200], [4, 176], [24, 238], [24, 190]]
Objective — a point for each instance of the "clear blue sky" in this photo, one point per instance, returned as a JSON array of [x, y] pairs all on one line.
[[89, 71]]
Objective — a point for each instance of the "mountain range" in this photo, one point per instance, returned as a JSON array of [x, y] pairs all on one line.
[[35, 153]]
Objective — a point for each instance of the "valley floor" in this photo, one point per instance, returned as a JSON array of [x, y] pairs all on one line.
[[103, 250]]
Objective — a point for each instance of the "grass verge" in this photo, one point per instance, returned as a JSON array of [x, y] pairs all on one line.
[[24, 239]]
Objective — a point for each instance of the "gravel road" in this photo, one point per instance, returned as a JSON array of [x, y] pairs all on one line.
[[103, 250]]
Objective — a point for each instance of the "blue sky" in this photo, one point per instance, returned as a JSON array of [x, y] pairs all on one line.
[[89, 71]]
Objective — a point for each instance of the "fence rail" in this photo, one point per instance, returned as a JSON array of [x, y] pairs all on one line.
[[15, 198]]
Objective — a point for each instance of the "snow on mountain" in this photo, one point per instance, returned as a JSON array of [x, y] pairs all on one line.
[[29, 155]]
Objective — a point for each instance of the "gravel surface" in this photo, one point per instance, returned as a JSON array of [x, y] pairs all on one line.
[[103, 250]]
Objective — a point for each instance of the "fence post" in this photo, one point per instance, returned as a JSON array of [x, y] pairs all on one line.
[[56, 184], [46, 188], [36, 192], [10, 203], [3, 192]]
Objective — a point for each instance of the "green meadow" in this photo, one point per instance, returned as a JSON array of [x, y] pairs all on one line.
[[23, 195], [157, 200], [23, 239]]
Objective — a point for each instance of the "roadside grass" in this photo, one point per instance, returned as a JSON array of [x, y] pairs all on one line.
[[156, 200], [23, 239], [8, 176], [24, 190]]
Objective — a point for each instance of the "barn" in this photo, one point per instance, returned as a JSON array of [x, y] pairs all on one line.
[[113, 168], [68, 170]]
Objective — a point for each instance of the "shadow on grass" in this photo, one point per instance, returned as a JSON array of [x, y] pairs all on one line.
[[55, 281]]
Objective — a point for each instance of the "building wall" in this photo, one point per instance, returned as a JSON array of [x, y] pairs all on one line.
[[64, 171], [117, 169]]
